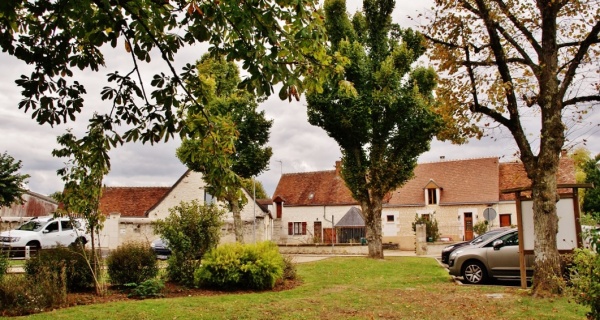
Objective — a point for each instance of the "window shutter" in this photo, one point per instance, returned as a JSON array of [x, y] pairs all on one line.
[[290, 228], [303, 227]]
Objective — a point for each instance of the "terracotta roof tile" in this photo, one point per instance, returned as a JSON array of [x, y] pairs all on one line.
[[313, 188], [131, 201], [461, 181], [512, 175]]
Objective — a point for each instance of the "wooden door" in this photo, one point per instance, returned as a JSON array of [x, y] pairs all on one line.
[[329, 235], [318, 231], [468, 226]]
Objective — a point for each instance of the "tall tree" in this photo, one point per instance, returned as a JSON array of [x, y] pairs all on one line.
[[591, 200], [512, 62], [12, 183], [275, 41], [378, 109], [217, 86]]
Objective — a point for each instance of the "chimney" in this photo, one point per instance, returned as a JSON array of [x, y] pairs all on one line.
[[563, 153], [338, 167]]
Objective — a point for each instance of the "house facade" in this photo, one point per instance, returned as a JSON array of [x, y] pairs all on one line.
[[130, 211], [458, 194]]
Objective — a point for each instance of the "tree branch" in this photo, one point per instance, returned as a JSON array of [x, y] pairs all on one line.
[[591, 38], [577, 100], [506, 10]]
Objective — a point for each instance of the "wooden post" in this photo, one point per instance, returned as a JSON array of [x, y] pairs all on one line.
[[520, 231]]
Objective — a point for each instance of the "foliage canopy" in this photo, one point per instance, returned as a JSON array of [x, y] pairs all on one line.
[[12, 183]]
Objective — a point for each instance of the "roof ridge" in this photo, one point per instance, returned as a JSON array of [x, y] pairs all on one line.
[[303, 172], [131, 187], [461, 159]]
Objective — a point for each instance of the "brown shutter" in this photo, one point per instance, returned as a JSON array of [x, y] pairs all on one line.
[[290, 228], [303, 227]]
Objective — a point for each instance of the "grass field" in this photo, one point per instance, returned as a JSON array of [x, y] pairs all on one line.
[[348, 288]]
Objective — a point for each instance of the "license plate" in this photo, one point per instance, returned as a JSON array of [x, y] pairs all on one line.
[[162, 257]]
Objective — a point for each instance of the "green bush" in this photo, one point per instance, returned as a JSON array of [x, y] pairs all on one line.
[[481, 227], [181, 268], [78, 273], [151, 288], [237, 266], [4, 263], [585, 280], [431, 227], [191, 230], [43, 291], [133, 262]]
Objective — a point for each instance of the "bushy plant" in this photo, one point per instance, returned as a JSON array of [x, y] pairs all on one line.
[[191, 230], [585, 280], [133, 262], [289, 268], [4, 263], [239, 266], [431, 227], [151, 288], [27, 294], [77, 270], [481, 227]]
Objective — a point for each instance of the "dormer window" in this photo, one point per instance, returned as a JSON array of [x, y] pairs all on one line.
[[432, 196], [432, 193]]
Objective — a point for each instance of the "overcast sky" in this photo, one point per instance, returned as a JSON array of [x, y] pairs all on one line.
[[297, 146]]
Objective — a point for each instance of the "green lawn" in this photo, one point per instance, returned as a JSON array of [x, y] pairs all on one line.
[[348, 288]]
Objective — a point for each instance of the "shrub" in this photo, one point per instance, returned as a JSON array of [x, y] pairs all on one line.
[[431, 227], [585, 280], [4, 263], [133, 262], [481, 227], [77, 270], [151, 288], [237, 266], [191, 230], [289, 268], [22, 295]]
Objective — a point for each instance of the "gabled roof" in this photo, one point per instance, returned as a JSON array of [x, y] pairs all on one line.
[[465, 181], [312, 189], [513, 175], [352, 218], [131, 201]]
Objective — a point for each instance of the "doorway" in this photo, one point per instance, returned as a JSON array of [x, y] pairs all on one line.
[[318, 231], [468, 226]]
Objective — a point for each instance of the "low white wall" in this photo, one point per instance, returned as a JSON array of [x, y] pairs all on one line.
[[323, 249]]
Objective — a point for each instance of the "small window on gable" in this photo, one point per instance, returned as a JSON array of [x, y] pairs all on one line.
[[432, 196], [208, 198], [390, 218]]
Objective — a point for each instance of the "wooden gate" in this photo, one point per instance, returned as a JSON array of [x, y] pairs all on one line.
[[329, 235]]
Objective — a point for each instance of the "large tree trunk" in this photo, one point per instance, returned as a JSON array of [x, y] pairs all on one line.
[[546, 280], [372, 213], [238, 226]]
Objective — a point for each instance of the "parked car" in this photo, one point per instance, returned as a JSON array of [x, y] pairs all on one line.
[[451, 248], [161, 249], [44, 232], [497, 257]]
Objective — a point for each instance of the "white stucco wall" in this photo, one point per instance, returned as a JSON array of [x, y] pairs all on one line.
[[308, 214]]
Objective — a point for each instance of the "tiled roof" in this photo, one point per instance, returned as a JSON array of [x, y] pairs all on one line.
[[130, 201], [313, 188], [512, 175], [461, 181]]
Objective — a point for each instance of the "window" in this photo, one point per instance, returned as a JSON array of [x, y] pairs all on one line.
[[52, 226], [66, 225], [390, 218], [426, 217], [296, 228], [208, 198], [432, 196], [505, 220]]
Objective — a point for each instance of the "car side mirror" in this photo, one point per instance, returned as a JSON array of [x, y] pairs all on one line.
[[498, 244], [45, 231]]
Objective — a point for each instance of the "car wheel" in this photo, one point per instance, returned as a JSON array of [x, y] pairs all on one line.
[[473, 272]]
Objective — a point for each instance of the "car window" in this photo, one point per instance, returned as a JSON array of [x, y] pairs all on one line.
[[66, 225], [52, 226], [32, 225], [486, 236]]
